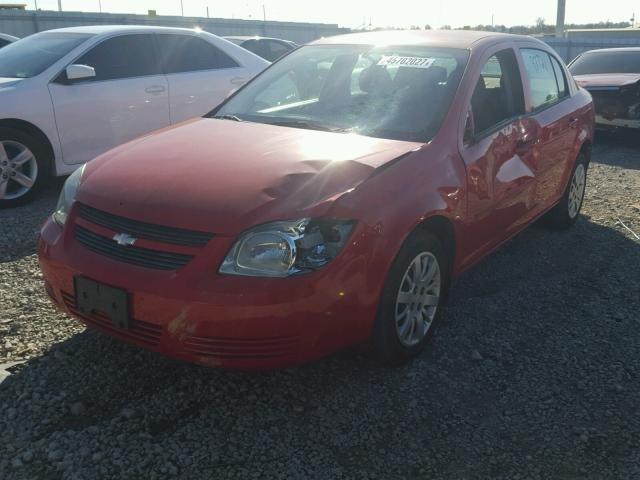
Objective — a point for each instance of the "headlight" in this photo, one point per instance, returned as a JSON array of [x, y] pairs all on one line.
[[67, 196], [280, 249]]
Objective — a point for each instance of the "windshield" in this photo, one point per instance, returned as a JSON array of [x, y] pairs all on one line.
[[33, 55], [400, 93], [606, 62]]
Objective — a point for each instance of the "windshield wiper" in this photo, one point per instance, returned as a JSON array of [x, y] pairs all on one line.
[[227, 116], [308, 125]]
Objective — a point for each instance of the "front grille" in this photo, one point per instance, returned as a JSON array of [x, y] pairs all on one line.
[[143, 257], [225, 347], [140, 332], [162, 233]]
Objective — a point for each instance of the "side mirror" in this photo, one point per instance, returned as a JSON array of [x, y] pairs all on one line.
[[79, 72], [468, 137]]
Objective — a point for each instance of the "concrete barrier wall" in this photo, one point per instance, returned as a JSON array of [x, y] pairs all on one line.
[[569, 49], [23, 23]]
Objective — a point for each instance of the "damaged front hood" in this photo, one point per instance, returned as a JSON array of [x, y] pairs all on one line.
[[224, 176], [607, 80]]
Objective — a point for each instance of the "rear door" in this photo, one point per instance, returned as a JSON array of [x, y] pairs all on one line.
[[499, 154], [200, 75], [127, 98], [550, 107]]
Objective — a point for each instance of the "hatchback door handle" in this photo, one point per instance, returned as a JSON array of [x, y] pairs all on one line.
[[155, 89], [238, 81]]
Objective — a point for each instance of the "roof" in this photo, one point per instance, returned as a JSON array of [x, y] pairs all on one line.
[[11, 38], [102, 29], [607, 30], [254, 37], [617, 49], [441, 38]]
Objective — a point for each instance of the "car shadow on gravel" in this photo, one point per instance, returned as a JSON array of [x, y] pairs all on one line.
[[626, 144], [20, 225], [534, 374]]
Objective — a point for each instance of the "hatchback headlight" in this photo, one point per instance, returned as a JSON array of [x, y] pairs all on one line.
[[280, 249], [67, 196]]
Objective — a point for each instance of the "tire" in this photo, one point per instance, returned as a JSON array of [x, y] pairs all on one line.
[[19, 182], [567, 211], [390, 346]]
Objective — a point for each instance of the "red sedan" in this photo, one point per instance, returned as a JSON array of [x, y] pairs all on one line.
[[329, 201]]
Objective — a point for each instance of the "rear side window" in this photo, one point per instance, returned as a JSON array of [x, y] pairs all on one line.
[[498, 94], [185, 53], [561, 79], [3, 42], [542, 78], [254, 46], [125, 56]]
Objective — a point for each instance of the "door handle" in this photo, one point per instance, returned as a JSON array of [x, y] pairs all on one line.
[[238, 81], [155, 89], [525, 144], [573, 121]]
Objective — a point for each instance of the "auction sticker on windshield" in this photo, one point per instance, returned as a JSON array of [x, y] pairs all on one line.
[[415, 62]]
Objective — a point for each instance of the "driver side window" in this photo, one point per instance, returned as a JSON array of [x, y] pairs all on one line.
[[498, 95]]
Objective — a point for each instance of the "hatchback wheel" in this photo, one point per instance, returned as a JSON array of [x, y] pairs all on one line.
[[412, 299], [22, 167], [566, 212]]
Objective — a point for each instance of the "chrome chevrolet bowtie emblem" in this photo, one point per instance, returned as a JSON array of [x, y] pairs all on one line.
[[124, 239]]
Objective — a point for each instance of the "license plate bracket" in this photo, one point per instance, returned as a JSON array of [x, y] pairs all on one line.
[[95, 297]]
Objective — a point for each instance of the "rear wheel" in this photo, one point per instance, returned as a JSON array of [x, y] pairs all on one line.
[[566, 212], [411, 301], [23, 167]]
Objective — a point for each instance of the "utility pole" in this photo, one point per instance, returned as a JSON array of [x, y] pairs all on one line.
[[36, 2], [181, 8], [264, 13], [208, 11], [562, 6], [100, 5], [59, 5]]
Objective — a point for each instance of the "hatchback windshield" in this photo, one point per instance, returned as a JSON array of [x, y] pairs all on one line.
[[606, 62], [33, 55], [400, 93]]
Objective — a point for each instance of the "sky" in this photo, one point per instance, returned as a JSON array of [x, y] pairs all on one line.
[[381, 13]]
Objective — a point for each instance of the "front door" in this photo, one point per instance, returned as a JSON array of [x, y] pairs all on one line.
[[500, 156], [128, 97]]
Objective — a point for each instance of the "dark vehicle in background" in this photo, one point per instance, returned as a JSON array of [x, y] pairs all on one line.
[[612, 76], [270, 49], [6, 39]]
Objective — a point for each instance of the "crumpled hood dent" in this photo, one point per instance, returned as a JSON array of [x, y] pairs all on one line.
[[224, 176]]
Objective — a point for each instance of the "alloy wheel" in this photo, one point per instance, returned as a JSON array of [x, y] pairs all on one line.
[[18, 170], [576, 190], [417, 299]]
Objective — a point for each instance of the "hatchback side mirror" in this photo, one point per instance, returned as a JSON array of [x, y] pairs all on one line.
[[80, 72]]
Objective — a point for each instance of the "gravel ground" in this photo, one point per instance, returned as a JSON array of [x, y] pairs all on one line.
[[533, 375]]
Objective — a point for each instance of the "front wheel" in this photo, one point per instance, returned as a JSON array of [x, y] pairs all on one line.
[[412, 299], [566, 212], [23, 167]]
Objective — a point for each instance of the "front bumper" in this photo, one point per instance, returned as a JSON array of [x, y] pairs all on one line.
[[198, 315]]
